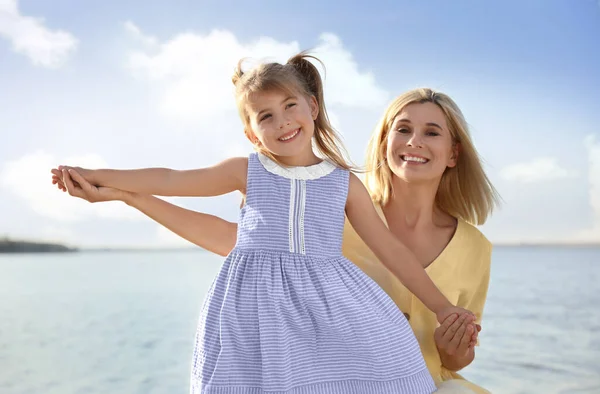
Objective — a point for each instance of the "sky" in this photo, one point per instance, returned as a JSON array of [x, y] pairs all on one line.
[[148, 84]]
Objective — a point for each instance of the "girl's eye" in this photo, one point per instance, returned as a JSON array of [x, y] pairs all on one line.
[[265, 117], [290, 105], [403, 130]]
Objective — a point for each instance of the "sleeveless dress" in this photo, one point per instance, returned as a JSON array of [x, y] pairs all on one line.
[[287, 313]]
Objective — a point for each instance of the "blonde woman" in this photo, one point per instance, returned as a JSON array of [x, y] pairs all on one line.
[[428, 185]]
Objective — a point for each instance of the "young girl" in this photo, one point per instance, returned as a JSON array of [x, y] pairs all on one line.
[[287, 313]]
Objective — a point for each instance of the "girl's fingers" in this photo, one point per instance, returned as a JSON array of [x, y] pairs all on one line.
[[85, 185], [71, 189]]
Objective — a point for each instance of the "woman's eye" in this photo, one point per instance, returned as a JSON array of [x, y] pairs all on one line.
[[403, 130], [290, 105]]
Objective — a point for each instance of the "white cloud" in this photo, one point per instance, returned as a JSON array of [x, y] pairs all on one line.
[[194, 71], [135, 31], [344, 83], [29, 178], [538, 170], [29, 36]]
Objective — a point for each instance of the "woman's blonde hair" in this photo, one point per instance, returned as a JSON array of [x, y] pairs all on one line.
[[297, 76], [465, 191]]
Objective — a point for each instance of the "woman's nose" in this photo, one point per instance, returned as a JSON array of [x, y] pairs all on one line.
[[414, 141]]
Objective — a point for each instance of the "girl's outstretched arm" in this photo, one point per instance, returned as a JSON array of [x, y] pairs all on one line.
[[222, 178], [207, 231], [393, 253]]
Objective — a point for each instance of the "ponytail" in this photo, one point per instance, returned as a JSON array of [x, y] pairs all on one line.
[[237, 73], [326, 138], [301, 76]]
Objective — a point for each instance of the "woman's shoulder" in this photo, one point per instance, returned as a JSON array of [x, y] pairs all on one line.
[[473, 235], [472, 249]]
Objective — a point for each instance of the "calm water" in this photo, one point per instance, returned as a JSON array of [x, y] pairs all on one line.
[[123, 323]]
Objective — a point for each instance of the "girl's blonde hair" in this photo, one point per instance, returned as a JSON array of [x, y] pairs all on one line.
[[465, 191], [297, 76]]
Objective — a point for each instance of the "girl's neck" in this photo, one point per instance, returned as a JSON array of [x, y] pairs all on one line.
[[305, 159]]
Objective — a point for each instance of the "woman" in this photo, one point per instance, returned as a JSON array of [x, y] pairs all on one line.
[[428, 185]]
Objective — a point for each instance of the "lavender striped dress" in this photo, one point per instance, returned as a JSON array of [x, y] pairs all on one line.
[[288, 313]]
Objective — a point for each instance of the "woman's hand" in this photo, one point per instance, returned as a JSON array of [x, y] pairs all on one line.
[[455, 339]]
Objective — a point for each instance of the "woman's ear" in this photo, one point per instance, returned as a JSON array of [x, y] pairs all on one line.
[[454, 156]]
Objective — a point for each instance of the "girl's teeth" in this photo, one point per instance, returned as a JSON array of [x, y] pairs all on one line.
[[415, 159], [290, 137]]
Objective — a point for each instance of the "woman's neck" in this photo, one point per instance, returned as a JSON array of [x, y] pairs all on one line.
[[413, 205]]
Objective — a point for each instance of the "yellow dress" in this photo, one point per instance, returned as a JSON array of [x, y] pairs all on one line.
[[461, 272]]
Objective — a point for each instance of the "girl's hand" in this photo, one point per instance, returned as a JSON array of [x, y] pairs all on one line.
[[58, 181], [457, 335], [57, 175], [446, 312], [77, 186]]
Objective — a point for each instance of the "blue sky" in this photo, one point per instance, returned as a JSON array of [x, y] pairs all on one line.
[[132, 84]]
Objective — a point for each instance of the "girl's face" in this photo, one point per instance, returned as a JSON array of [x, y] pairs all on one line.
[[419, 144], [282, 123]]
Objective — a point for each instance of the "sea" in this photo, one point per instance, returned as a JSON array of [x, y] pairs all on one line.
[[124, 322]]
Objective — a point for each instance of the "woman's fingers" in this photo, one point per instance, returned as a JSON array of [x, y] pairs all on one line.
[[456, 340], [465, 340], [454, 327], [450, 320]]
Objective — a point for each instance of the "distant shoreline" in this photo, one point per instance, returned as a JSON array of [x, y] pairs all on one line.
[[549, 244], [199, 249], [14, 246], [22, 246]]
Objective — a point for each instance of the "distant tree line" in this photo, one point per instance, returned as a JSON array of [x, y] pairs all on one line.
[[13, 246]]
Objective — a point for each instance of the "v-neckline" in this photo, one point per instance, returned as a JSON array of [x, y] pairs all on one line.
[[443, 252]]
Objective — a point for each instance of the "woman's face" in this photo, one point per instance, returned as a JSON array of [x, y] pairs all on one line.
[[419, 144]]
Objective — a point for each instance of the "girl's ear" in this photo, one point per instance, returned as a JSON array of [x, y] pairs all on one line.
[[314, 107], [251, 136]]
